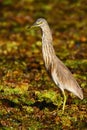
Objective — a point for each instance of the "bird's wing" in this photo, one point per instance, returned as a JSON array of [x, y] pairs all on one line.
[[64, 78]]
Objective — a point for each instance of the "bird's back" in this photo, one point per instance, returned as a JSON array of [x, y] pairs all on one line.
[[64, 78]]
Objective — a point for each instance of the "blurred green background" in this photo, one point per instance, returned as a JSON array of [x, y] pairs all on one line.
[[29, 100]]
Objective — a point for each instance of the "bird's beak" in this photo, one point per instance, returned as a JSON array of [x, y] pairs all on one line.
[[30, 27], [34, 25]]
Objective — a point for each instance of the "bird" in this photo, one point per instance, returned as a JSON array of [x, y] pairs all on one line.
[[59, 73]]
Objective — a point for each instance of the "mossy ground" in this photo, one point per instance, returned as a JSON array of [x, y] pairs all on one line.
[[29, 100]]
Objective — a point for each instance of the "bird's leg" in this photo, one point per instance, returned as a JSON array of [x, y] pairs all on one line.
[[64, 102]]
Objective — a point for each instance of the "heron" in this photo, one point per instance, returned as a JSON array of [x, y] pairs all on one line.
[[59, 73]]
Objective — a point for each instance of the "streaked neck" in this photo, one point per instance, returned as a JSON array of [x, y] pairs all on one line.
[[47, 35]]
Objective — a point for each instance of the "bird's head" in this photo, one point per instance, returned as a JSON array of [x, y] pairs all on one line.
[[39, 23]]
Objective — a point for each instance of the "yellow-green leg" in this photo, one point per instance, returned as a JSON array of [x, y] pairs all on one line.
[[64, 103]]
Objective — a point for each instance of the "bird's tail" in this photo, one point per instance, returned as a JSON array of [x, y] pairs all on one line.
[[78, 91]]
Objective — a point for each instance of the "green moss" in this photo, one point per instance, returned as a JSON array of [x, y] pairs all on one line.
[[24, 82], [49, 96]]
